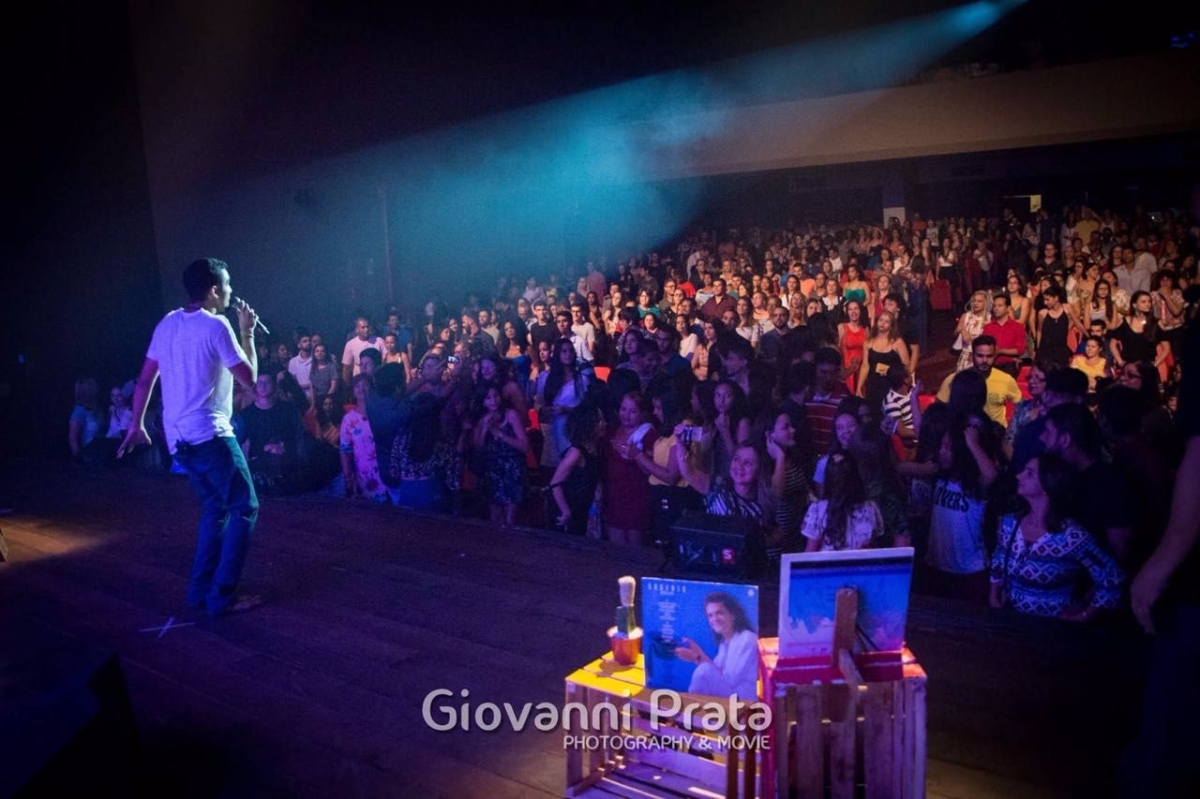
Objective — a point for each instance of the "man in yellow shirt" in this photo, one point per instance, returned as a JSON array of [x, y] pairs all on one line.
[[1001, 387]]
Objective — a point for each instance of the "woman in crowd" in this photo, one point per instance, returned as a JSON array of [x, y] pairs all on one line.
[[1092, 362], [323, 377], [704, 357], [759, 312], [883, 287], [885, 350], [1139, 339], [845, 423], [740, 491], [360, 465], [747, 326], [873, 455], [86, 426], [1102, 308], [1168, 307], [1027, 410], [494, 371], [789, 485], [730, 415], [852, 337], [1042, 556], [847, 519], [577, 476], [970, 325], [327, 419], [688, 340], [855, 288], [790, 289], [645, 304], [965, 471], [563, 390], [627, 511], [500, 444], [1019, 302], [1057, 327], [120, 415]]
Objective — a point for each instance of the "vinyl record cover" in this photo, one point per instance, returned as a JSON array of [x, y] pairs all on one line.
[[701, 637]]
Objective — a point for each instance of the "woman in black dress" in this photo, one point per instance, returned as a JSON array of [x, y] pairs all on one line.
[[1139, 339], [885, 351]]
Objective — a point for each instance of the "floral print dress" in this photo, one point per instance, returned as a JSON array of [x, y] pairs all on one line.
[[357, 441]]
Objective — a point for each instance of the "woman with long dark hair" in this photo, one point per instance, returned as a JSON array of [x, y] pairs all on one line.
[[1140, 339], [564, 389], [627, 512], [577, 475], [1041, 555], [500, 443], [847, 519], [789, 485]]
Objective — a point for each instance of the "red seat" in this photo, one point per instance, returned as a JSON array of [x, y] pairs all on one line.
[[602, 372], [925, 400]]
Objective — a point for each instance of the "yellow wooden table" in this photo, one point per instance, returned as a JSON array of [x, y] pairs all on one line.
[[623, 739]]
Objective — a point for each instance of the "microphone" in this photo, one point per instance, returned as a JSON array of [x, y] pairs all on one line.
[[233, 301]]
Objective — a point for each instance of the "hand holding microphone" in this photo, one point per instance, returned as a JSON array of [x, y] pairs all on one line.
[[247, 317]]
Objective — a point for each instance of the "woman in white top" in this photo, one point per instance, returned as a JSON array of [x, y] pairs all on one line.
[[734, 669], [747, 327], [847, 519], [687, 339], [970, 326]]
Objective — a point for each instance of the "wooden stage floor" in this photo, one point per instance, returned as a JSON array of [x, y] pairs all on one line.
[[319, 691]]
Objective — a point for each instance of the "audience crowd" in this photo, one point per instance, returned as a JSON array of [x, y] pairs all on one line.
[[772, 375]]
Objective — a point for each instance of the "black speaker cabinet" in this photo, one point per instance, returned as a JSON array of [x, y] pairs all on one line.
[[717, 546]]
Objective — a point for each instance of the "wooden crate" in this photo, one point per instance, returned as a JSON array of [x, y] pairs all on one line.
[[835, 733], [679, 758]]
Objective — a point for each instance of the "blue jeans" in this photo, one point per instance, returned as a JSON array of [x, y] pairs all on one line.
[[228, 512]]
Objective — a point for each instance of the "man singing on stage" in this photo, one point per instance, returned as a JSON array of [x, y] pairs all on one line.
[[198, 355]]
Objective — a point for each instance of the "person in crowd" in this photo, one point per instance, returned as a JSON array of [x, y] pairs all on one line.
[[885, 350], [576, 478], [120, 416], [85, 428], [352, 352], [626, 507], [421, 452], [300, 366], [789, 484], [1092, 363], [1057, 326], [1009, 336], [714, 308], [270, 433], [733, 672], [1139, 338], [500, 444], [564, 389], [323, 375], [495, 371], [852, 337], [875, 458], [1042, 555], [327, 421], [846, 519], [1001, 387], [845, 422], [1102, 504], [827, 393], [360, 465], [742, 490]]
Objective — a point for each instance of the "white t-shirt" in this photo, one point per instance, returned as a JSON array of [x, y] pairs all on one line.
[[864, 525], [585, 333], [194, 351], [301, 369], [354, 350], [956, 530], [733, 672]]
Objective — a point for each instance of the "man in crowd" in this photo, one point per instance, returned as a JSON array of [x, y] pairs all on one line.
[[1008, 335], [720, 302], [584, 331], [828, 391], [351, 353], [198, 355], [541, 329], [771, 343], [1001, 387], [300, 366]]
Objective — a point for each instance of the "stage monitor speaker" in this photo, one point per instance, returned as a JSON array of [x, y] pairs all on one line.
[[717, 546], [81, 731]]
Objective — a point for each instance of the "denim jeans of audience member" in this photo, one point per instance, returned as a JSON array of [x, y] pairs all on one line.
[[228, 512], [420, 495]]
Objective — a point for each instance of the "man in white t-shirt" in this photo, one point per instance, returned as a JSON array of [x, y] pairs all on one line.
[[198, 355], [300, 366], [363, 340]]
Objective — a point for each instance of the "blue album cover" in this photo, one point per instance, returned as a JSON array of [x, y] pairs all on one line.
[[701, 637], [809, 584]]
